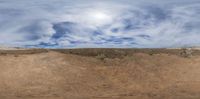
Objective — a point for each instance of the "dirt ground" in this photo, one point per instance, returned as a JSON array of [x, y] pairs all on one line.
[[100, 74]]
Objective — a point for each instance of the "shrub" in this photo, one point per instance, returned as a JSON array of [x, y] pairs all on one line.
[[101, 56], [186, 52]]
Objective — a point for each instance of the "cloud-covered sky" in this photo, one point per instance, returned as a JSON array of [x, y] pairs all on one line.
[[100, 23]]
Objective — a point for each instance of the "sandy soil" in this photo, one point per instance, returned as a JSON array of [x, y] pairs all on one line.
[[99, 74]]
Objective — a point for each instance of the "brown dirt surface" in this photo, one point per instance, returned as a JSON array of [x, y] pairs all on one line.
[[99, 74]]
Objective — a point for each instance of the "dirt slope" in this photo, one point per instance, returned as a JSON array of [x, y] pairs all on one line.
[[53, 74]]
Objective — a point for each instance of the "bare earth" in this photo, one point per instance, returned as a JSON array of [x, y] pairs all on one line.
[[99, 74]]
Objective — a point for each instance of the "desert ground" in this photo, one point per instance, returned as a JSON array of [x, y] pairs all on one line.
[[100, 74]]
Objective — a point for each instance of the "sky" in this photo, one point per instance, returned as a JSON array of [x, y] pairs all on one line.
[[100, 23]]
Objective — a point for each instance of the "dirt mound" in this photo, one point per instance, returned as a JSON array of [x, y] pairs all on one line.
[[99, 74]]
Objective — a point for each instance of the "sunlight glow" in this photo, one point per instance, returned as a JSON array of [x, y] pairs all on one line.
[[99, 17]]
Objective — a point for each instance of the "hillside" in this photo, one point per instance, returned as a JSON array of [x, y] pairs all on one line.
[[100, 74]]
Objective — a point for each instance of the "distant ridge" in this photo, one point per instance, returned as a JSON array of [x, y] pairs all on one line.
[[11, 48]]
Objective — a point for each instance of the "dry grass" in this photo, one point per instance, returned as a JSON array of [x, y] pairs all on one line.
[[99, 74]]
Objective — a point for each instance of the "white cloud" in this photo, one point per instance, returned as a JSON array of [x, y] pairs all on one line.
[[105, 23]]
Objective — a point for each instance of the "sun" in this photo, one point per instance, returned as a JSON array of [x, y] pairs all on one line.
[[99, 17]]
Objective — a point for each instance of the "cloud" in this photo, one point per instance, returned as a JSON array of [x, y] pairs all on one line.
[[105, 23]]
